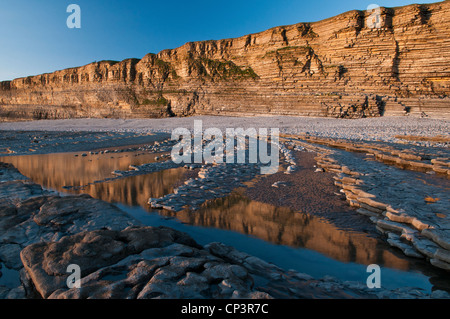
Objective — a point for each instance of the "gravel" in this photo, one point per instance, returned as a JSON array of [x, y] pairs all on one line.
[[369, 129]]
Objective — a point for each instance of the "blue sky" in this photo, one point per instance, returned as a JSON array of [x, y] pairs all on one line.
[[35, 39]]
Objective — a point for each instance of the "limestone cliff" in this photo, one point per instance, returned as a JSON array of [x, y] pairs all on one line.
[[338, 67]]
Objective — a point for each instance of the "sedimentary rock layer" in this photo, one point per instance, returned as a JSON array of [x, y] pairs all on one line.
[[339, 67]]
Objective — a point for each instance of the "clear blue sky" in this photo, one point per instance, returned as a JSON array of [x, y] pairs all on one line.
[[34, 38]]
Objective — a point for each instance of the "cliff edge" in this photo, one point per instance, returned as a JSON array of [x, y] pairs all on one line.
[[340, 67]]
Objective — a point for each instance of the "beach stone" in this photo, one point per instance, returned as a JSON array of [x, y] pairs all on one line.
[[369, 207], [9, 255], [395, 241], [64, 212], [391, 226], [405, 218], [226, 252], [16, 293], [373, 204], [425, 247], [16, 191], [443, 255], [221, 271], [440, 294], [366, 212], [440, 264], [441, 237]]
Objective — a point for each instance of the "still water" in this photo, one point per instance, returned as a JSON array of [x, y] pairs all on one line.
[[290, 240]]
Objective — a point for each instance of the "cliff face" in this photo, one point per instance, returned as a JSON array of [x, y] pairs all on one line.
[[339, 67]]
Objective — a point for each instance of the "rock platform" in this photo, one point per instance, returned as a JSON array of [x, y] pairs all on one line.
[[43, 233]]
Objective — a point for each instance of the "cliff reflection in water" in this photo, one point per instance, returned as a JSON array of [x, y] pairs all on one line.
[[55, 171], [282, 226], [237, 213]]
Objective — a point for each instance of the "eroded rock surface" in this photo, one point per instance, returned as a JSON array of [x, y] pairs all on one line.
[[30, 214], [396, 200], [42, 234], [147, 262], [340, 67]]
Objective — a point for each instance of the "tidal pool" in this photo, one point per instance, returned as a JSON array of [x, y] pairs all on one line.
[[291, 240]]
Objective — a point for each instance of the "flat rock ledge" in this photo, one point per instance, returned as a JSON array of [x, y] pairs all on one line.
[[417, 233], [41, 234], [162, 263]]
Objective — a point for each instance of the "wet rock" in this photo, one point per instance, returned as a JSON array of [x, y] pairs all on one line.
[[138, 262], [395, 241], [4, 292], [425, 247], [393, 226], [372, 204], [442, 255], [405, 218], [14, 192], [47, 262], [16, 293], [9, 173], [30, 216], [366, 212], [440, 264], [440, 294], [441, 237], [9, 255]]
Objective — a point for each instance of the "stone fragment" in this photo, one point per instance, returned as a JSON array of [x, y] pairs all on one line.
[[440, 237], [440, 264], [443, 255], [395, 241], [380, 207], [366, 212]]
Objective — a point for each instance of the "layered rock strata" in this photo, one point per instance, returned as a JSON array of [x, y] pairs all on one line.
[[339, 67], [417, 234]]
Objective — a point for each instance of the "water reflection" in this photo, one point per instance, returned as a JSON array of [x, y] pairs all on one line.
[[66, 169], [136, 190], [282, 226], [276, 225]]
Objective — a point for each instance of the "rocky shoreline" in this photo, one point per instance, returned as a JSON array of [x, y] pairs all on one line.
[[414, 228], [42, 233], [117, 262]]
